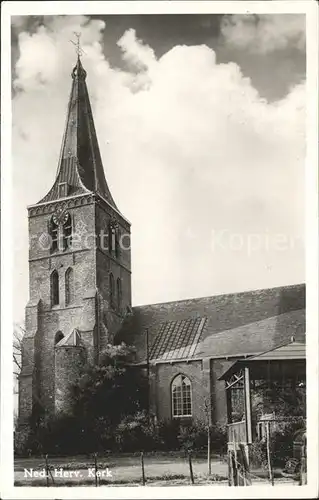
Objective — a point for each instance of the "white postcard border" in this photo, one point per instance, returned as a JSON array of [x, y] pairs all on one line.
[[310, 8]]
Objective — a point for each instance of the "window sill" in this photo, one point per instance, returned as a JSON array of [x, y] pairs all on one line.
[[186, 417], [63, 308], [61, 252]]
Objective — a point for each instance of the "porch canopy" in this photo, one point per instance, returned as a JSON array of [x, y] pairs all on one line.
[[285, 365], [286, 361]]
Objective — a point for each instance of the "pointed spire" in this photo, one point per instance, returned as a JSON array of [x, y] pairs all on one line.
[[80, 168], [78, 70]]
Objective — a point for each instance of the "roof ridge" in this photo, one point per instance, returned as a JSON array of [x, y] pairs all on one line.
[[258, 321], [255, 290]]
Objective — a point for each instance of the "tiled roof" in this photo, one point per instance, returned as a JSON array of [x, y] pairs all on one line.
[[293, 350], [177, 339], [71, 340], [253, 337], [219, 326]]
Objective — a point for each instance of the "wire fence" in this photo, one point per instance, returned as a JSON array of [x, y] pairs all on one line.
[[240, 465], [136, 469], [160, 468]]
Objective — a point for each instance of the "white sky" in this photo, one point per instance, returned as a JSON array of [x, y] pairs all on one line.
[[201, 165]]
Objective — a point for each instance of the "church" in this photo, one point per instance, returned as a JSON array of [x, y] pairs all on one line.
[[80, 298]]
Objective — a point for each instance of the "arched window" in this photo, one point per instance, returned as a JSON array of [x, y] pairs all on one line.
[[69, 286], [55, 300], [111, 230], [54, 234], [117, 242], [118, 293], [114, 247], [58, 336], [112, 290], [181, 397], [67, 232]]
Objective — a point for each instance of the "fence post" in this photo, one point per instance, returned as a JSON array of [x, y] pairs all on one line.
[[143, 470], [47, 470], [209, 463], [229, 468], [303, 475], [209, 459], [96, 469], [245, 457], [234, 469], [190, 466], [271, 475], [241, 477], [235, 461]]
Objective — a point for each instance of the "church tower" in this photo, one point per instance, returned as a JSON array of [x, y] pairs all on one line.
[[79, 266]]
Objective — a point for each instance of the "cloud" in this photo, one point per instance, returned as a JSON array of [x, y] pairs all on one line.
[[265, 33], [135, 52], [193, 156]]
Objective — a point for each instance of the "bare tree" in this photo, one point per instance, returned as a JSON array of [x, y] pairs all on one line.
[[18, 333]]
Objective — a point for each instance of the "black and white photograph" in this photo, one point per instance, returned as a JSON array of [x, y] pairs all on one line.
[[159, 189]]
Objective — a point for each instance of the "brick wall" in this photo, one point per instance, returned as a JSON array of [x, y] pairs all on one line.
[[205, 387], [28, 379], [26, 383], [89, 312], [68, 367], [81, 257], [111, 317], [162, 376]]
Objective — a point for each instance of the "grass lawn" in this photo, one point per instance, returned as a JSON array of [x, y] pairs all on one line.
[[160, 469]]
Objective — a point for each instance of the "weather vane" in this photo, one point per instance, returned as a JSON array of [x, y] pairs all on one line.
[[78, 49]]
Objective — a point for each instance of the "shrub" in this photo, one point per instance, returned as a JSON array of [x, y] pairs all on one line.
[[281, 445], [135, 433], [103, 394], [258, 454], [218, 438], [22, 440], [139, 433], [282, 442], [64, 435], [167, 434], [192, 436], [111, 388]]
